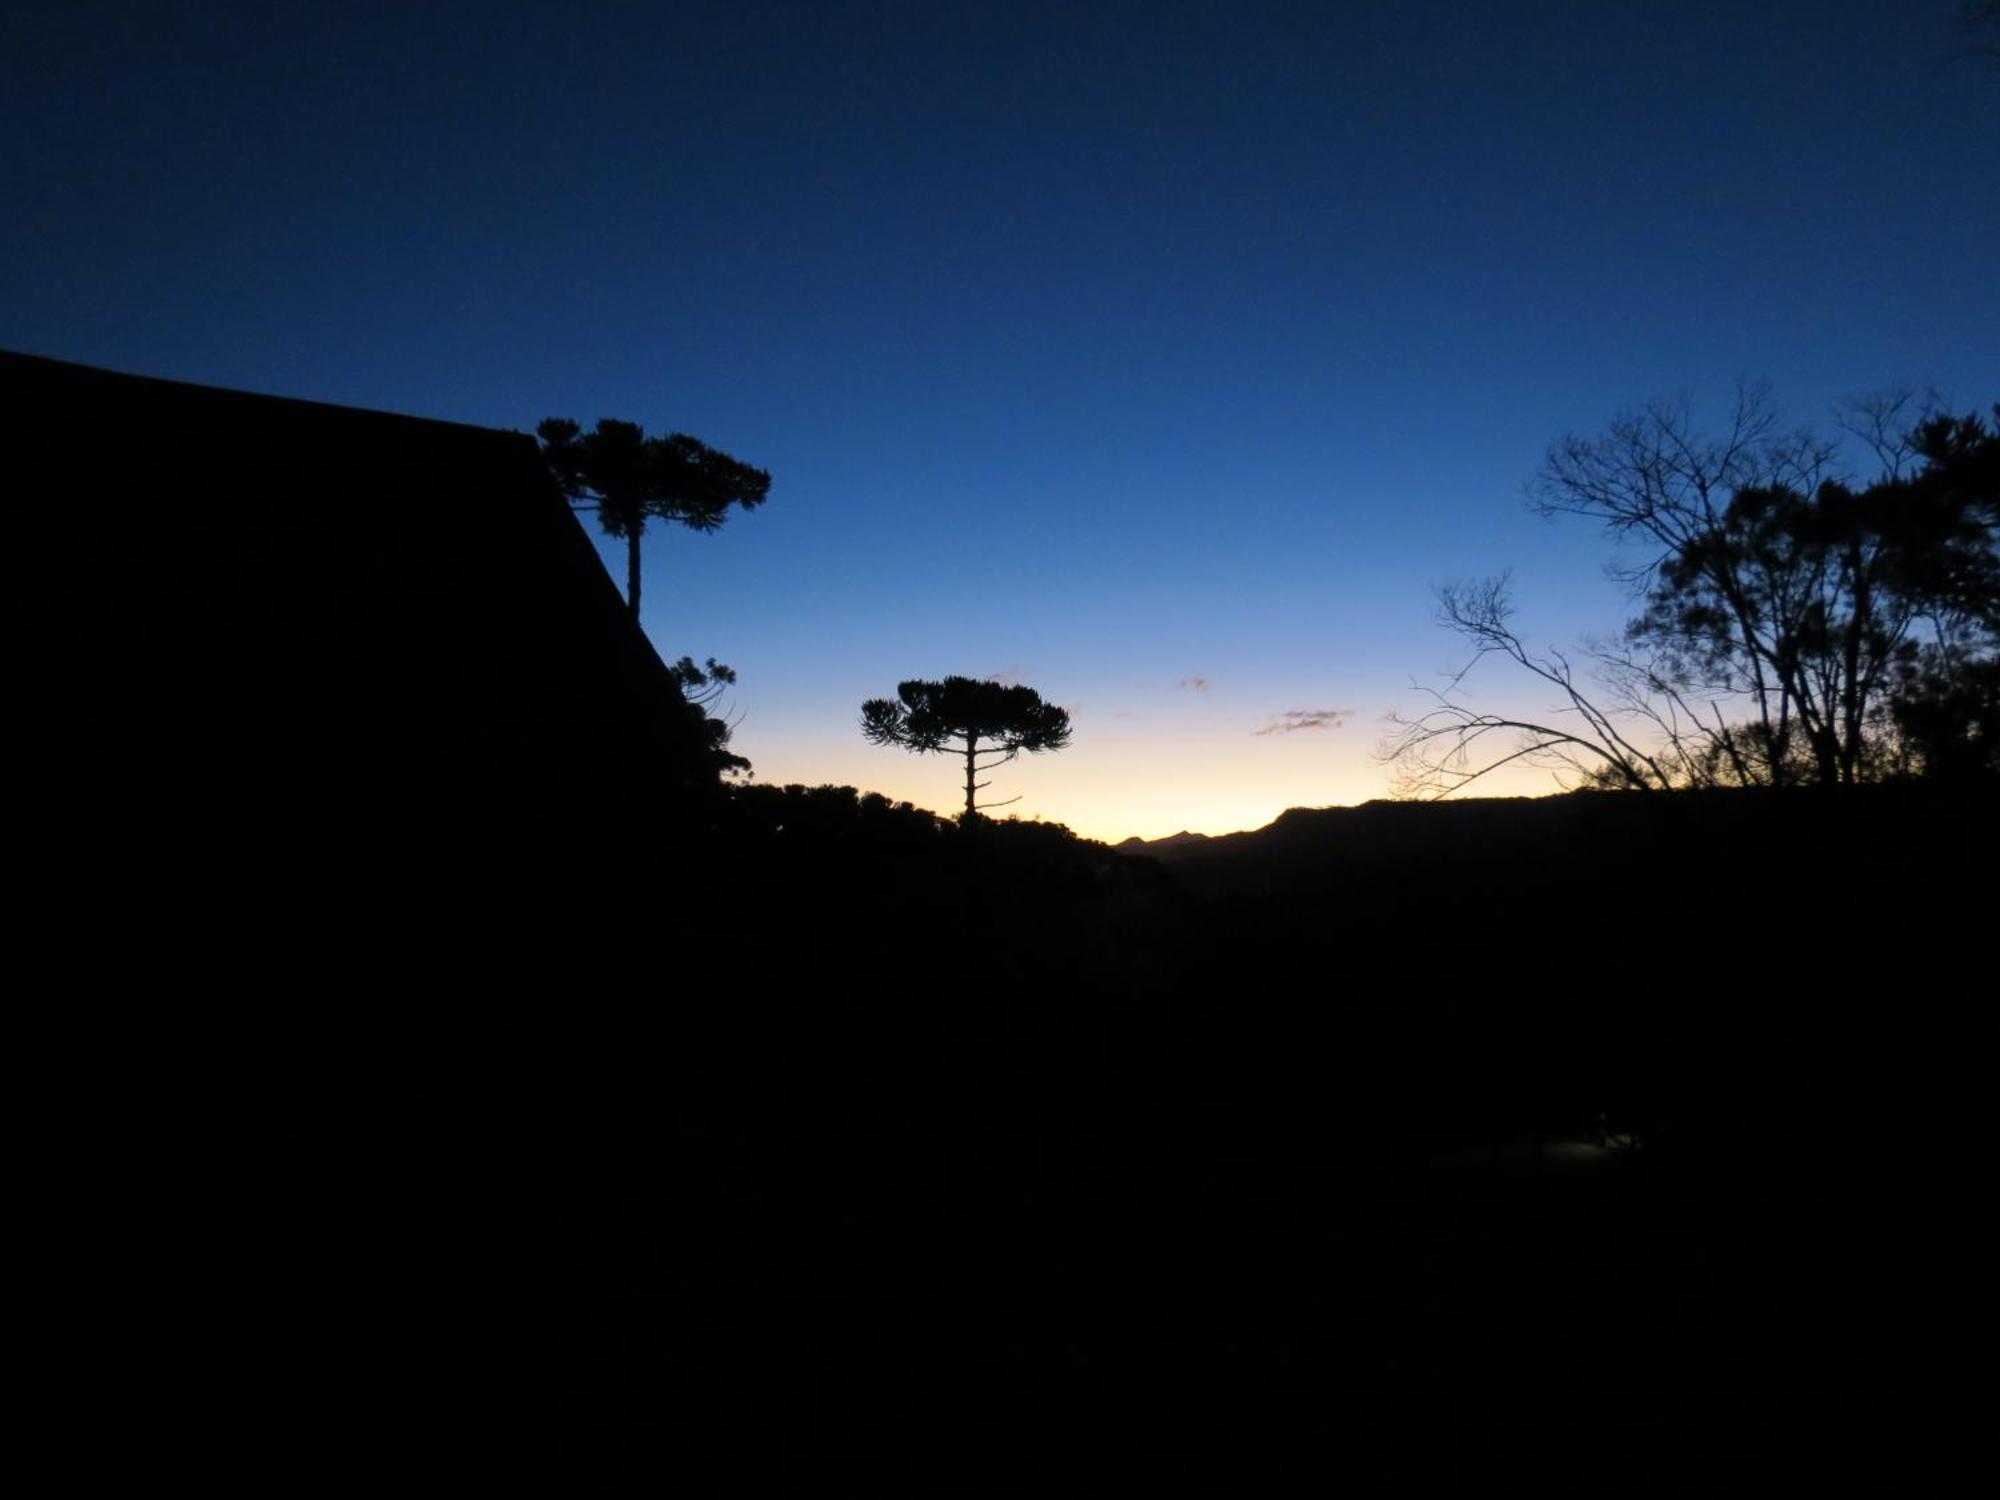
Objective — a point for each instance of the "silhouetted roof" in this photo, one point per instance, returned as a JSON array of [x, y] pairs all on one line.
[[286, 609]]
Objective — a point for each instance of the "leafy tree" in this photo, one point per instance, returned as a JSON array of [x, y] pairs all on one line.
[[970, 718], [1794, 627], [630, 479], [1946, 704]]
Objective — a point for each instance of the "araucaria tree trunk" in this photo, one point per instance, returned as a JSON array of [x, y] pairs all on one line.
[[632, 572], [971, 787]]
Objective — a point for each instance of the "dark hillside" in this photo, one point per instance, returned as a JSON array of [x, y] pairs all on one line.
[[1490, 1143], [1496, 1144], [1637, 937], [1581, 827]]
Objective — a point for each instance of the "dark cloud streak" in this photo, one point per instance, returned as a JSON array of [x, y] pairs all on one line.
[[1292, 721]]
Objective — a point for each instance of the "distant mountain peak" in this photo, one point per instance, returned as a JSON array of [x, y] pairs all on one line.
[[1183, 837]]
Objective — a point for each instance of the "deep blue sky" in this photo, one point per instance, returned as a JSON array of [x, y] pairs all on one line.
[[1108, 345]]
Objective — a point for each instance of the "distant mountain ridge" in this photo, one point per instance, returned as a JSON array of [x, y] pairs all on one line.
[[1137, 845], [1602, 837]]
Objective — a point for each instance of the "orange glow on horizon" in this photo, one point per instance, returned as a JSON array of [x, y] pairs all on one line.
[[1116, 787]]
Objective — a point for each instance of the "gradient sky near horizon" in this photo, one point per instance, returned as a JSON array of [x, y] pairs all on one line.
[[1160, 356]]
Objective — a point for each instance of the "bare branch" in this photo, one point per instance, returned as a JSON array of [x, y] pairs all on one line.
[[1782, 607]]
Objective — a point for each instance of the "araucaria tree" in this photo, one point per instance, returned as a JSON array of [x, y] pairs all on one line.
[[629, 479], [703, 687], [986, 722]]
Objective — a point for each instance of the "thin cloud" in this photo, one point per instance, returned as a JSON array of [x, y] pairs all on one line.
[[1193, 684], [1292, 721], [1009, 676]]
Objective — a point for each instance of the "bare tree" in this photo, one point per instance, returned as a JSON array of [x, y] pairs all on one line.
[[1452, 744], [1768, 584], [1655, 479], [1780, 606]]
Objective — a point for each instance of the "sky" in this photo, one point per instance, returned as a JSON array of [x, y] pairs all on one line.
[[1163, 357]]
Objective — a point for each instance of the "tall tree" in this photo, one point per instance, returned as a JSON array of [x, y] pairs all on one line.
[[1794, 627], [1773, 589], [986, 722], [630, 479]]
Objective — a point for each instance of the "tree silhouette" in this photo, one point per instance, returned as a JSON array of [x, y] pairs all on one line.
[[702, 687], [967, 717], [629, 479], [1771, 585], [1947, 706], [1447, 747], [1795, 628]]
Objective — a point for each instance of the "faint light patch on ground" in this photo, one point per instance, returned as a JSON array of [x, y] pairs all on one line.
[[1523, 1154]]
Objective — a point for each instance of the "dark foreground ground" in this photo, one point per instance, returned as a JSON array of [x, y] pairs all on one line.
[[863, 1166], [824, 1305], [1207, 1325]]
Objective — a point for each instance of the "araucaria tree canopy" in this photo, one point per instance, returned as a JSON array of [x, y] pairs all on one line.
[[988, 723], [629, 479]]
